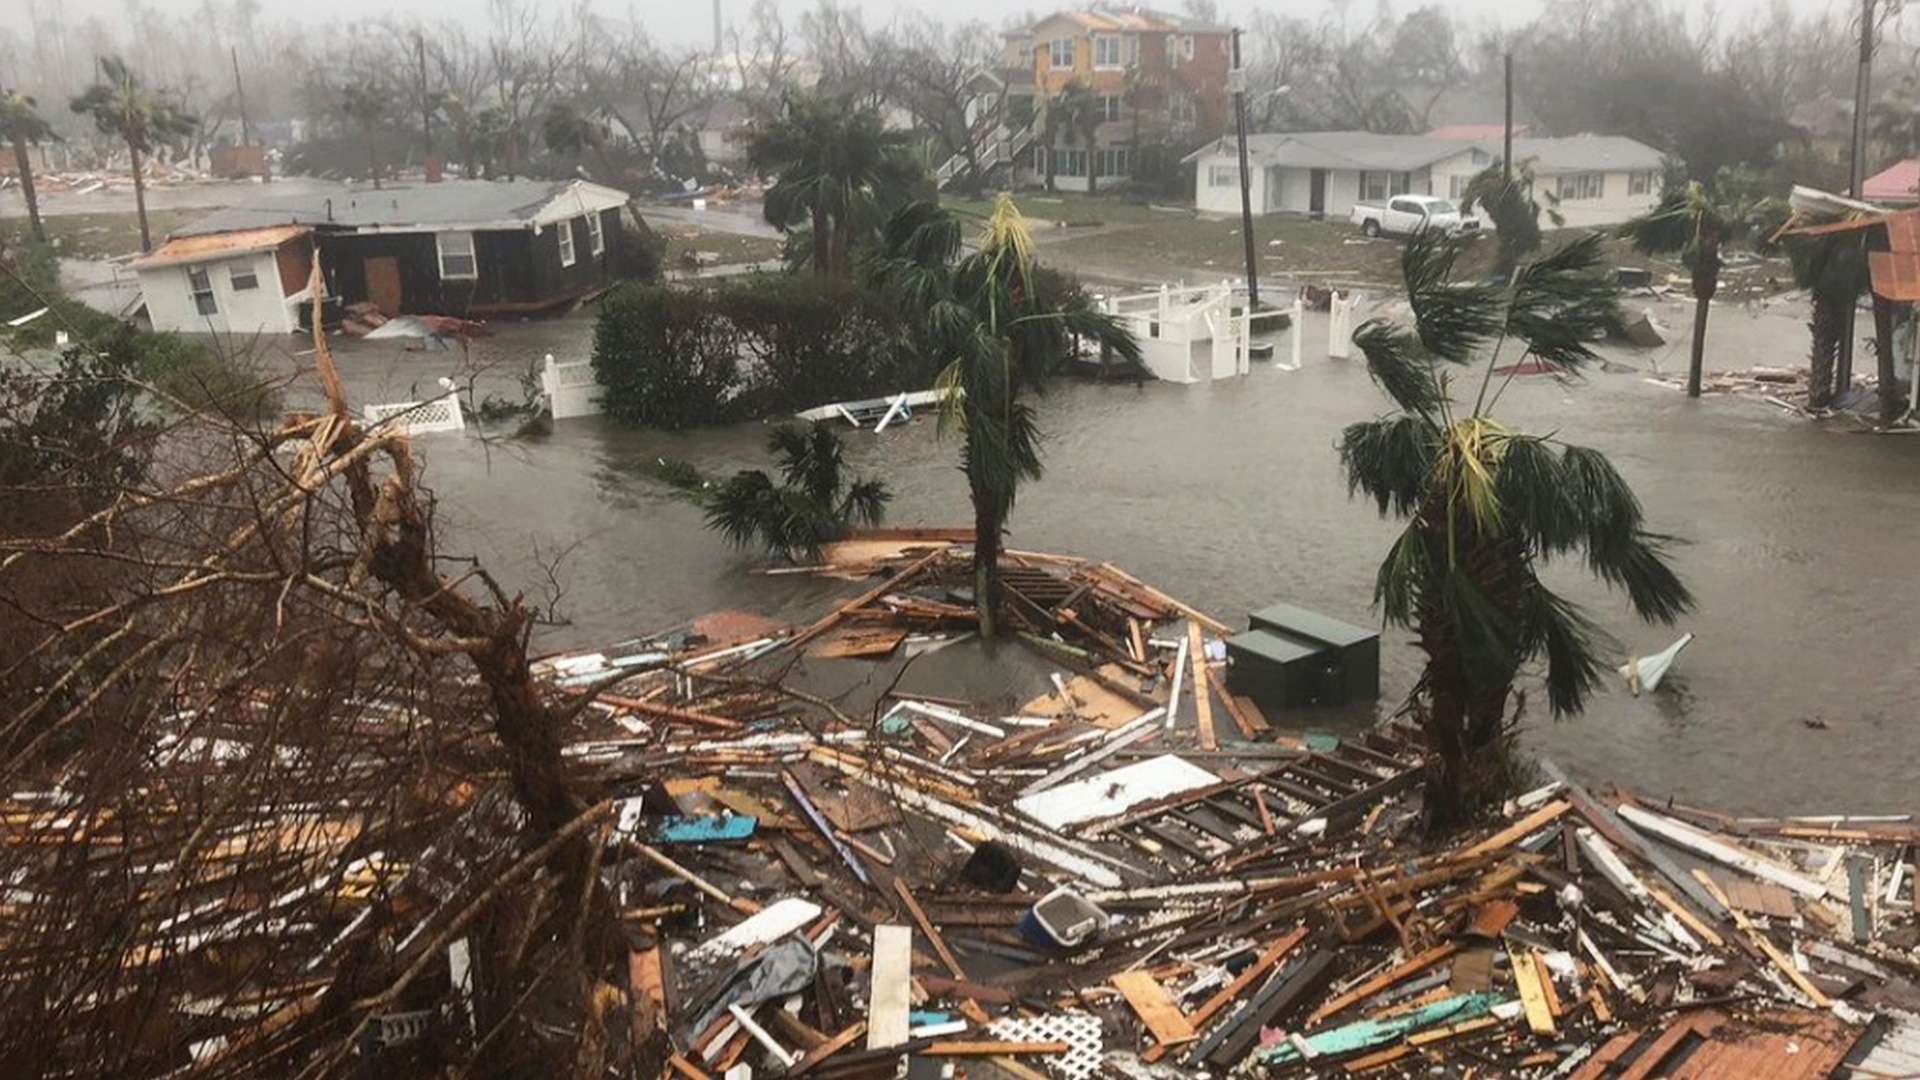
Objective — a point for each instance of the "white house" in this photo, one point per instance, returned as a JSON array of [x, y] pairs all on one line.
[[1596, 179], [251, 281]]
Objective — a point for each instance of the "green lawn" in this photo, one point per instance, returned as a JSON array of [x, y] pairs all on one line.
[[100, 236]]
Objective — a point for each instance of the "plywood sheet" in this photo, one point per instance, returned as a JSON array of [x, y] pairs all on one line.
[[1106, 794]]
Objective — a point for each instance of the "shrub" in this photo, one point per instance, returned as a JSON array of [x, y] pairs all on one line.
[[676, 356]]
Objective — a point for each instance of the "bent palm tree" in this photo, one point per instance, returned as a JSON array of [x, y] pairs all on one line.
[[1695, 222], [838, 172], [1487, 506], [22, 125], [121, 105], [365, 104], [1000, 325], [1510, 202]]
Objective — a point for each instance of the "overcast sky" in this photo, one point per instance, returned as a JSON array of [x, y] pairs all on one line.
[[689, 22]]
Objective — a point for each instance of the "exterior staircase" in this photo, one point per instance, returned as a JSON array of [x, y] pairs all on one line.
[[993, 148]]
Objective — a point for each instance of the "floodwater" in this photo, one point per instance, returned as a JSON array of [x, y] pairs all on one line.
[[1230, 496]]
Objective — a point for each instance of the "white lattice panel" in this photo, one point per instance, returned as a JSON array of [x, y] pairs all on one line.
[[418, 417], [1081, 1034]]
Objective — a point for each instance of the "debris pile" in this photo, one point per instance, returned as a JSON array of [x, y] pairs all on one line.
[[1133, 873]]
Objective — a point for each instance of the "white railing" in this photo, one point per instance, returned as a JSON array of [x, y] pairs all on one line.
[[997, 147], [418, 417], [571, 388]]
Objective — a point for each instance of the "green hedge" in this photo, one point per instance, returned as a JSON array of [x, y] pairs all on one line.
[[681, 356]]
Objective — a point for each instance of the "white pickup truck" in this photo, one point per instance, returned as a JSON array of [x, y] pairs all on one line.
[[1404, 215]]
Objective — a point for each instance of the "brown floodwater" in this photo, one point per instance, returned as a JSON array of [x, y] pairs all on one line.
[[1800, 539]]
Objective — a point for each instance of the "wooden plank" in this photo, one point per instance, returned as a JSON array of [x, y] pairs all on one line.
[[1686, 916], [1766, 945], [859, 642], [1155, 1008], [1755, 897], [827, 622], [1726, 854], [829, 1048], [1521, 829], [1137, 639], [890, 993], [1272, 955], [1526, 978], [1202, 698], [1368, 988], [981, 1049], [687, 1068], [969, 1007]]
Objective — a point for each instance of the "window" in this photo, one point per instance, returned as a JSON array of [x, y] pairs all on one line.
[[1379, 186], [1111, 106], [200, 283], [1069, 163], [1060, 53], [1480, 157], [1457, 186], [457, 262], [1181, 110], [1640, 183], [566, 243], [1576, 186], [242, 277], [596, 238], [1106, 51], [1223, 176], [1112, 160]]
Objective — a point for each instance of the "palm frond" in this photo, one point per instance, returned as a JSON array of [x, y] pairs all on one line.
[[1637, 564], [1396, 363], [1564, 301], [866, 502], [1533, 494], [1454, 320], [1391, 460], [1558, 630], [1468, 461], [1402, 578]]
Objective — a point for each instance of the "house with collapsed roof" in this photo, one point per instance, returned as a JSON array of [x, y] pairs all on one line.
[[1594, 179], [470, 248]]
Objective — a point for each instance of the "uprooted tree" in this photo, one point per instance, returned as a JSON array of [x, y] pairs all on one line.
[[287, 797]]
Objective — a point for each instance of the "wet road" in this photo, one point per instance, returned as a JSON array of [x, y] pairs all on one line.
[[1230, 496]]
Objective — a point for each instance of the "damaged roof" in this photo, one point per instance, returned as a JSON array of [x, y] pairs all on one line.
[[1404, 153], [450, 206], [224, 245]]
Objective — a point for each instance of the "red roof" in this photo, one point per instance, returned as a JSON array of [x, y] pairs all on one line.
[[1475, 132], [1897, 183]]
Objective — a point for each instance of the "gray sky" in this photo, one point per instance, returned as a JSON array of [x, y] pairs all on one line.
[[688, 22]]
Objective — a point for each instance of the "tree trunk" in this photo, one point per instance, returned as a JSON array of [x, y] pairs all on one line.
[[1700, 306], [1890, 403], [987, 524], [25, 165], [1825, 329], [373, 155], [842, 239], [822, 243], [140, 198], [1706, 282], [1047, 147], [1093, 169]]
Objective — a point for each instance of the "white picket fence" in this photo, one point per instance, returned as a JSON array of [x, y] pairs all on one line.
[[418, 417]]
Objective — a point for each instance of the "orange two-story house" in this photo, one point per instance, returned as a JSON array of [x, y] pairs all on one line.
[[1116, 95]]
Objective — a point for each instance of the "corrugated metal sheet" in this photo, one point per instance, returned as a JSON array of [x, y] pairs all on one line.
[[1896, 1053], [1710, 1045]]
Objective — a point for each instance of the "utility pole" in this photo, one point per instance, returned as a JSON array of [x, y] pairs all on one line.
[[426, 107], [1238, 80], [240, 96], [1506, 144], [1856, 179], [716, 27]]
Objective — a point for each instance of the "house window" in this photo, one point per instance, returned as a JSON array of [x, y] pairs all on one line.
[[596, 237], [242, 277], [1111, 106], [1640, 183], [1106, 52], [1069, 163], [1577, 186], [1457, 187], [200, 283], [566, 243], [1112, 160], [1376, 186], [457, 262], [1223, 176], [1181, 110], [1060, 54], [1480, 157]]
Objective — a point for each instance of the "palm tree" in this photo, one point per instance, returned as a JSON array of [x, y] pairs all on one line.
[[364, 103], [1510, 202], [23, 126], [455, 110], [1487, 506], [813, 504], [838, 172], [1832, 267], [999, 325], [121, 106], [1078, 111], [567, 130], [1696, 221]]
